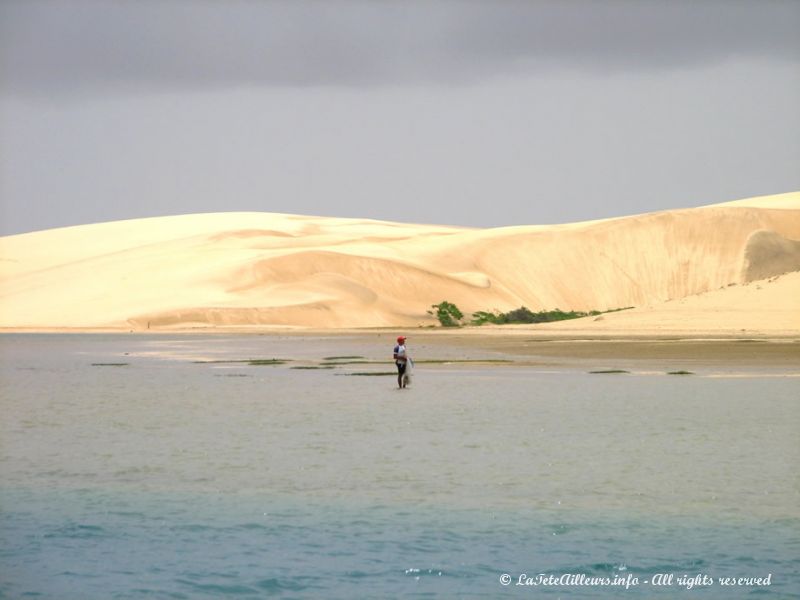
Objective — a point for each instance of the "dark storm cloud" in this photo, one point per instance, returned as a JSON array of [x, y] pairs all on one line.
[[74, 44]]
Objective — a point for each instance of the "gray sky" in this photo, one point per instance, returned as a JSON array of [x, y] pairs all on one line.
[[466, 113]]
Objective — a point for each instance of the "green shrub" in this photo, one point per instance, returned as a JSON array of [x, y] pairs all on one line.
[[525, 315], [481, 317], [447, 313]]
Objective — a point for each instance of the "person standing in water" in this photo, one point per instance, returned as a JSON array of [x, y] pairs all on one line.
[[401, 360]]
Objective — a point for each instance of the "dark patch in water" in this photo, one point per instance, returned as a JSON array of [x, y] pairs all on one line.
[[273, 584], [217, 589], [159, 594], [253, 526], [357, 574], [77, 532], [122, 513], [220, 362], [267, 361], [371, 374], [248, 361], [353, 362], [445, 361], [193, 528]]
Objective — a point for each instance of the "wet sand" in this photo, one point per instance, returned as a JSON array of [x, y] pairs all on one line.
[[530, 347], [752, 352]]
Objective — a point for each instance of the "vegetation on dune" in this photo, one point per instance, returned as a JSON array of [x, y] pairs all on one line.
[[449, 315], [525, 315]]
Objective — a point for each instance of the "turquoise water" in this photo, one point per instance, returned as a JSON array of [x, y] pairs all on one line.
[[169, 478]]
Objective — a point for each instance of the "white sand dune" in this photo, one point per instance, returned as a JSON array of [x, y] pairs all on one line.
[[764, 307], [262, 269]]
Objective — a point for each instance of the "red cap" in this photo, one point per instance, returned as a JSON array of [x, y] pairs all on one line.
[[401, 339]]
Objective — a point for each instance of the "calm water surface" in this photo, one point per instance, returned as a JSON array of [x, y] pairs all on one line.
[[165, 477]]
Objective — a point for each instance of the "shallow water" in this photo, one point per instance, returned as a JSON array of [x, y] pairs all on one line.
[[166, 477]]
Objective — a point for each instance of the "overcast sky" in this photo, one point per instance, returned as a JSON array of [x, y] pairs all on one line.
[[465, 113]]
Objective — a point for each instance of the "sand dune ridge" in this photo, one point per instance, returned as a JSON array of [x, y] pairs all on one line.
[[255, 269]]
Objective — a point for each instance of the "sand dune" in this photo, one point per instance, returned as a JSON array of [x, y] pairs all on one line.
[[258, 269], [765, 307]]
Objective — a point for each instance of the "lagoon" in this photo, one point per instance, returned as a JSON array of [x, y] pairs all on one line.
[[133, 466]]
